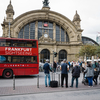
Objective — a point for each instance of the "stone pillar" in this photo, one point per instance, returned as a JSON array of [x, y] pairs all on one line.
[[54, 31], [51, 57], [36, 30]]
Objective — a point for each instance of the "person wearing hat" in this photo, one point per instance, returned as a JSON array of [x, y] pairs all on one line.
[[64, 73], [46, 68]]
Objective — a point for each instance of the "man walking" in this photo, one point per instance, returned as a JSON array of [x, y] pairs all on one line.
[[46, 68], [64, 73]]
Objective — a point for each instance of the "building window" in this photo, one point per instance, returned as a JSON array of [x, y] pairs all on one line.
[[45, 26], [51, 30], [62, 55], [20, 35], [57, 33], [62, 35], [45, 54], [32, 30], [9, 15], [28, 31]]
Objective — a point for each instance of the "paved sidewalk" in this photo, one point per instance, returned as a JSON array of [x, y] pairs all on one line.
[[19, 90]]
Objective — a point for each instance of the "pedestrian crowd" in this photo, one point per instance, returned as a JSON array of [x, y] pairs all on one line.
[[90, 73]]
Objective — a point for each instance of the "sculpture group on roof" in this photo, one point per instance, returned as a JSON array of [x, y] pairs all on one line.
[[45, 3]]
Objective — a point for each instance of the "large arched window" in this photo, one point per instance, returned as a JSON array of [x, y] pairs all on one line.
[[28, 31], [62, 55], [45, 26], [61, 35], [45, 54]]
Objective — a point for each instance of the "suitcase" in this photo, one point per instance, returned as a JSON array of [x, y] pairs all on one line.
[[53, 83]]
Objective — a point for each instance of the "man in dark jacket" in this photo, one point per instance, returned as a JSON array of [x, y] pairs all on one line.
[[54, 66], [96, 73], [64, 73], [46, 68], [75, 75]]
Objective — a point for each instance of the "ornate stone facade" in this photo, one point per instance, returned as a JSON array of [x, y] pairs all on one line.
[[72, 28]]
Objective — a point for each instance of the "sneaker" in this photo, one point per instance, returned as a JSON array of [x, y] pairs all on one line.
[[71, 86]]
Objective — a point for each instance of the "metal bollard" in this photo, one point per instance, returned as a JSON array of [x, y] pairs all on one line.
[[13, 82], [52, 76], [38, 81], [59, 80]]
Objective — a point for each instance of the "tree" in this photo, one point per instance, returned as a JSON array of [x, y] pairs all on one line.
[[88, 50], [98, 51]]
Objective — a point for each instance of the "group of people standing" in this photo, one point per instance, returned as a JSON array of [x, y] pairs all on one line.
[[89, 72], [64, 73]]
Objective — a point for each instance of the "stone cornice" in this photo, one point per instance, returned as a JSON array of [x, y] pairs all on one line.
[[59, 43]]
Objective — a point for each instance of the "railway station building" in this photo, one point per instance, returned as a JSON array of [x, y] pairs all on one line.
[[54, 32]]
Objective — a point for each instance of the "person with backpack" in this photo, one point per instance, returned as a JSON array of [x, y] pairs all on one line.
[[46, 68], [75, 75]]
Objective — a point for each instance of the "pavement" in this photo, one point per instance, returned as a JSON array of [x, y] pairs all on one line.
[[33, 89]]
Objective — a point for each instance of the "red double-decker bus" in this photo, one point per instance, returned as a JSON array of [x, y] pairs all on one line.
[[18, 57]]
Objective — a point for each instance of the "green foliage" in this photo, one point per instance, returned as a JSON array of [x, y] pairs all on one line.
[[88, 50], [98, 51]]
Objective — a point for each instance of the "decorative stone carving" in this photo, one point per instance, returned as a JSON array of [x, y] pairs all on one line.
[[78, 38], [45, 38]]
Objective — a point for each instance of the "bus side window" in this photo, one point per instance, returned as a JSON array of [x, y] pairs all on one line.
[[3, 45], [34, 44], [34, 59]]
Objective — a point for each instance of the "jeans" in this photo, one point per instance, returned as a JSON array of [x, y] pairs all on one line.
[[90, 81], [47, 76], [54, 69], [73, 78]]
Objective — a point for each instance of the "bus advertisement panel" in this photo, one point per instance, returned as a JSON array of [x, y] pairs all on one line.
[[18, 57]]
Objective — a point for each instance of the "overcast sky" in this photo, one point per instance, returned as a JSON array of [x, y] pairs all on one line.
[[89, 11]]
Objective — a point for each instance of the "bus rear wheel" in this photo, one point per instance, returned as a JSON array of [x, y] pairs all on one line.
[[7, 73]]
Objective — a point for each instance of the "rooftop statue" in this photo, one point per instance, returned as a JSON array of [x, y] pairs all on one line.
[[45, 3]]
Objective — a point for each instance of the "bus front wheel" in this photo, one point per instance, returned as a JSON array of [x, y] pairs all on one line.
[[7, 73]]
